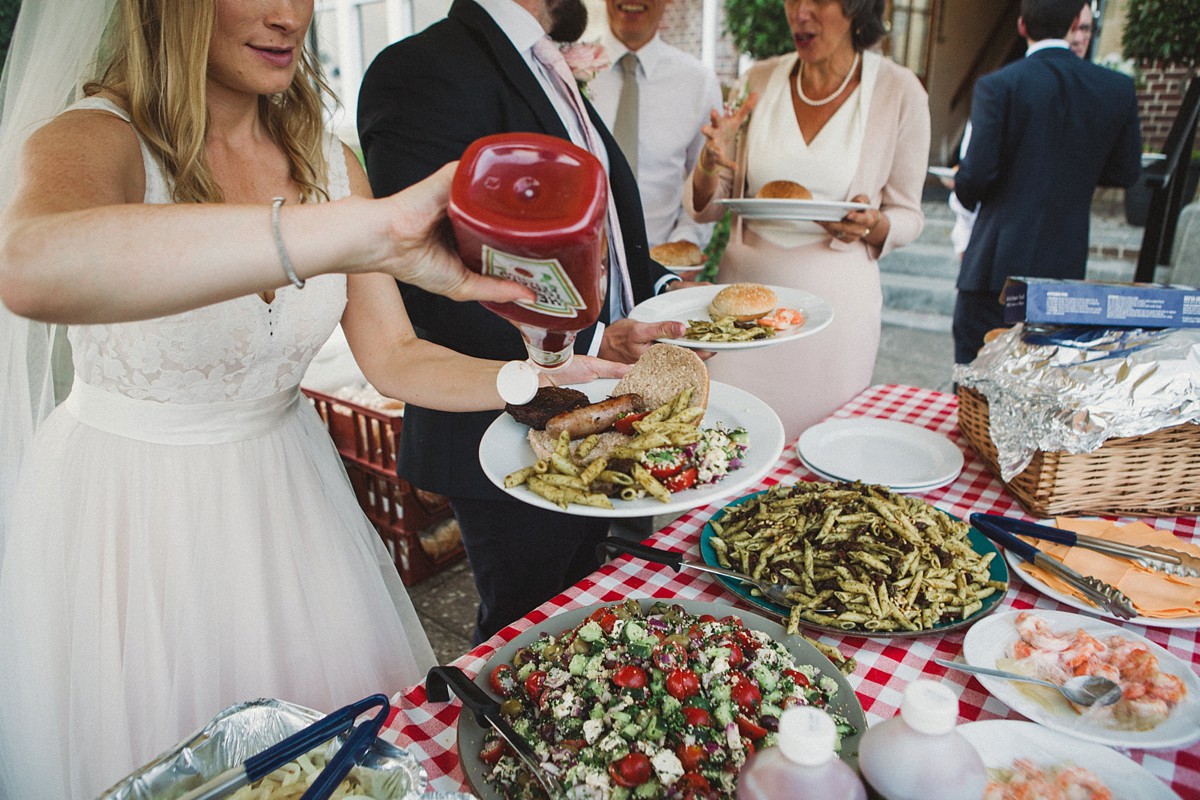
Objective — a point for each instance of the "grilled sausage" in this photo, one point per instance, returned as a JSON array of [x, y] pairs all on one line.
[[595, 418]]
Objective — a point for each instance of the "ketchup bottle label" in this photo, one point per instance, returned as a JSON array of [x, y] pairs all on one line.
[[556, 295]]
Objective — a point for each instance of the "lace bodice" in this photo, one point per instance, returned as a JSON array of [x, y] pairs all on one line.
[[237, 349]]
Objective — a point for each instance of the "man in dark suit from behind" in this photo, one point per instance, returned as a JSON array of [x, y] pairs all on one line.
[[1047, 130], [422, 102]]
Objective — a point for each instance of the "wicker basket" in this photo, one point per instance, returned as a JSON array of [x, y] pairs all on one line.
[[1155, 475]]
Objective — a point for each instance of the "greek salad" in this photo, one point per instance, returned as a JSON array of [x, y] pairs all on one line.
[[647, 704]]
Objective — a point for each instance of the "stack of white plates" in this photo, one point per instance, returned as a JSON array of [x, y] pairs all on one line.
[[899, 455]]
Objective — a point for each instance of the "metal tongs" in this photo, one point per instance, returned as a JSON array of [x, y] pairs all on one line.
[[486, 710], [1163, 559], [350, 753], [1096, 591], [775, 592]]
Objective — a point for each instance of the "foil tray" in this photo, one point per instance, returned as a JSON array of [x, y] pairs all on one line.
[[239, 732]]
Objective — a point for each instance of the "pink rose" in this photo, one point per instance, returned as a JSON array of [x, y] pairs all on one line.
[[585, 59]]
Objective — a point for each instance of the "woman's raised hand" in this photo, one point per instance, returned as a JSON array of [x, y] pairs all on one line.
[[722, 132], [584, 369], [423, 253]]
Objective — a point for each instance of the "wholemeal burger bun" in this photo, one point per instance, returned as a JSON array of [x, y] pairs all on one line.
[[662, 372], [784, 190], [678, 255], [745, 302]]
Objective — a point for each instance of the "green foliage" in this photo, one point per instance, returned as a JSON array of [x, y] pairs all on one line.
[[714, 249], [1162, 30], [758, 27], [8, 19]]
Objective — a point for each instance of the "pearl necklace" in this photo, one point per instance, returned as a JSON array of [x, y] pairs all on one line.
[[840, 89]]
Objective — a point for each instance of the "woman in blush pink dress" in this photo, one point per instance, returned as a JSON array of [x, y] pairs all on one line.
[[849, 125]]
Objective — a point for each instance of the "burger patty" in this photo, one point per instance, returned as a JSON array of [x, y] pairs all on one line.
[[550, 401]]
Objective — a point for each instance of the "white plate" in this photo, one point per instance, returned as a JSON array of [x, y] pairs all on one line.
[[991, 640], [505, 449], [1002, 741], [881, 451], [792, 210], [692, 303], [1015, 562], [918, 488], [942, 172]]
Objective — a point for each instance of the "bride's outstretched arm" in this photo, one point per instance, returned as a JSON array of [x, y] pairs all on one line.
[[77, 245]]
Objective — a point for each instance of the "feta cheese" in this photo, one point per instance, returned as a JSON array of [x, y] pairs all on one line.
[[668, 766], [592, 729]]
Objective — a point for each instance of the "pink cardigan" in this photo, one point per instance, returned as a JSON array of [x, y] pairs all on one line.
[[893, 167]]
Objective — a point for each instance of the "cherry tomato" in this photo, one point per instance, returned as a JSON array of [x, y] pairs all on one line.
[[682, 480], [630, 677], [745, 694], [732, 621], [606, 620], [625, 424], [682, 684], [799, 677], [692, 786], [492, 751], [663, 462], [736, 656], [504, 680], [669, 655], [697, 717], [707, 618], [630, 771], [749, 729], [691, 756], [535, 682]]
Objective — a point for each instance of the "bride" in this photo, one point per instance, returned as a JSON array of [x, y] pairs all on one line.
[[181, 536]]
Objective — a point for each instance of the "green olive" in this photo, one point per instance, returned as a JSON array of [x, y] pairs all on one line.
[[581, 647], [552, 651], [681, 639], [521, 656], [512, 707]]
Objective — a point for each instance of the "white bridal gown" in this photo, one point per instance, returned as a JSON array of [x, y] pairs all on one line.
[[185, 538]]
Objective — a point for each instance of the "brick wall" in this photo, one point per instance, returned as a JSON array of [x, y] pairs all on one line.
[[1159, 97], [681, 27]]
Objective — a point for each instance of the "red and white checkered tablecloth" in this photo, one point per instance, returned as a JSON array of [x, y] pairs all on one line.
[[885, 666]]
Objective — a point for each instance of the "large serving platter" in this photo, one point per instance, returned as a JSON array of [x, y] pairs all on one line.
[[505, 449], [998, 571], [470, 733], [692, 303], [992, 640]]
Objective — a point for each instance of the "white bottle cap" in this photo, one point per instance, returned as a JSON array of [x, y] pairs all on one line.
[[929, 707], [517, 382], [807, 736]]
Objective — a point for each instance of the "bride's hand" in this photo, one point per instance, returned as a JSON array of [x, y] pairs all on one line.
[[423, 251]]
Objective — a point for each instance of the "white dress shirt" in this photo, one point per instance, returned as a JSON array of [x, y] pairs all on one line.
[[675, 95]]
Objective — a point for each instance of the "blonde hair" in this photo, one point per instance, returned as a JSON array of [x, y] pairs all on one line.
[[158, 65]]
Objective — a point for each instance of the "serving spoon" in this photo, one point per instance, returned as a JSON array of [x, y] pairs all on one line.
[[1082, 690]]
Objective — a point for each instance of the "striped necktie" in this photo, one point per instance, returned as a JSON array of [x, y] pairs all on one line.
[[548, 54]]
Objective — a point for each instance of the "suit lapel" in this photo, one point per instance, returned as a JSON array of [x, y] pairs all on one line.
[[510, 63]]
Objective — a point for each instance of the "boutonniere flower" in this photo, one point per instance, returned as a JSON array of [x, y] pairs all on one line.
[[585, 59]]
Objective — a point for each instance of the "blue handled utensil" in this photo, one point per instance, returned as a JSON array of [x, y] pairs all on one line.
[[1096, 591], [349, 754], [1162, 559], [259, 766]]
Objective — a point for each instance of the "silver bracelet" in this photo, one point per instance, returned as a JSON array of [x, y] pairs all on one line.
[[288, 269]]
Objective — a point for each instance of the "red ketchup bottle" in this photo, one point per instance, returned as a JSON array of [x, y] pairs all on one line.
[[531, 208]]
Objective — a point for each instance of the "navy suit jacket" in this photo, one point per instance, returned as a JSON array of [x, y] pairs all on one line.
[[1047, 130], [422, 102]]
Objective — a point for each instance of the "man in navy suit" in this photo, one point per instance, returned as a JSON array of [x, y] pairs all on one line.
[[422, 102], [1047, 130]]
